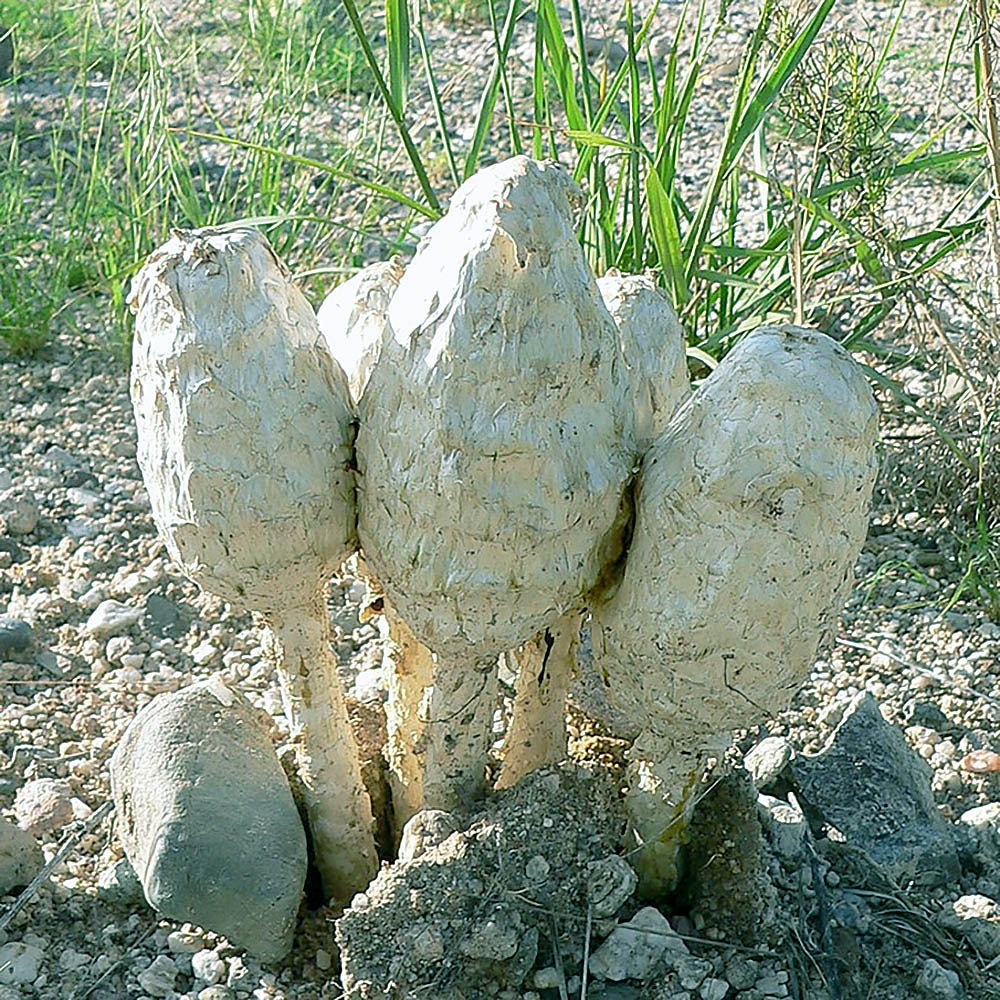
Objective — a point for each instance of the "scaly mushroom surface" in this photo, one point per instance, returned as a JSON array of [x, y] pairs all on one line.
[[653, 347], [354, 322], [752, 507], [495, 441], [245, 433]]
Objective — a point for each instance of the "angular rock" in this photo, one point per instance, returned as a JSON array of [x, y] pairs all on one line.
[[216, 993], [691, 972], [876, 791], [713, 989], [20, 963], [206, 815], [185, 942], [158, 979], [937, 983], [15, 634], [983, 822], [784, 824], [635, 950], [611, 882], [112, 618], [20, 857], [926, 713], [976, 918], [767, 760], [449, 915], [44, 805], [120, 884], [424, 830], [19, 512], [161, 612], [207, 966]]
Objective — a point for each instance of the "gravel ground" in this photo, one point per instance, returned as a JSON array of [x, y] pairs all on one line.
[[77, 533]]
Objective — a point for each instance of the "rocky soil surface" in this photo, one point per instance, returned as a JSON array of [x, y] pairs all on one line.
[[874, 872]]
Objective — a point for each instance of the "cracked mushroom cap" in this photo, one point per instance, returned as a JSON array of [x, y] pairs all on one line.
[[496, 431], [244, 421], [752, 508]]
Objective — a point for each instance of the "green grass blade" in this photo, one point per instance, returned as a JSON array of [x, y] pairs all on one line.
[[394, 110], [397, 43], [425, 57], [666, 238], [560, 66], [515, 137], [584, 137], [747, 117], [488, 100], [883, 380], [383, 189], [581, 53]]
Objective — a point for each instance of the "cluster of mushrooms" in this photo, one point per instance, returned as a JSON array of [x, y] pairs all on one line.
[[512, 444]]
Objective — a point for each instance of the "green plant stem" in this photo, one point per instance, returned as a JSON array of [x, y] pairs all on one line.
[[989, 99], [391, 106]]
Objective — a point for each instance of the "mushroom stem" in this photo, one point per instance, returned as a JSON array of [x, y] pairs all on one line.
[[337, 805], [410, 668], [458, 717], [663, 781], [537, 732]]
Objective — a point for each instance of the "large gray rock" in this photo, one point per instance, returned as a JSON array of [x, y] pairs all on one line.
[[207, 819], [20, 857], [876, 791]]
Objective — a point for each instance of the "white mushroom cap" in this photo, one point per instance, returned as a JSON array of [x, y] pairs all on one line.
[[654, 347], [245, 423], [752, 508], [496, 432], [354, 322]]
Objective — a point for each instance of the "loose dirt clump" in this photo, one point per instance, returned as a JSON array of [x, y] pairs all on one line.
[[470, 916]]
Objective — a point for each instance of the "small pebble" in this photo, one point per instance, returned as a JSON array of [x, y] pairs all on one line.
[[937, 983], [19, 512], [20, 858], [44, 805], [185, 942], [713, 989], [20, 962], [158, 979], [119, 884], [15, 634], [216, 993], [207, 966], [111, 618]]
